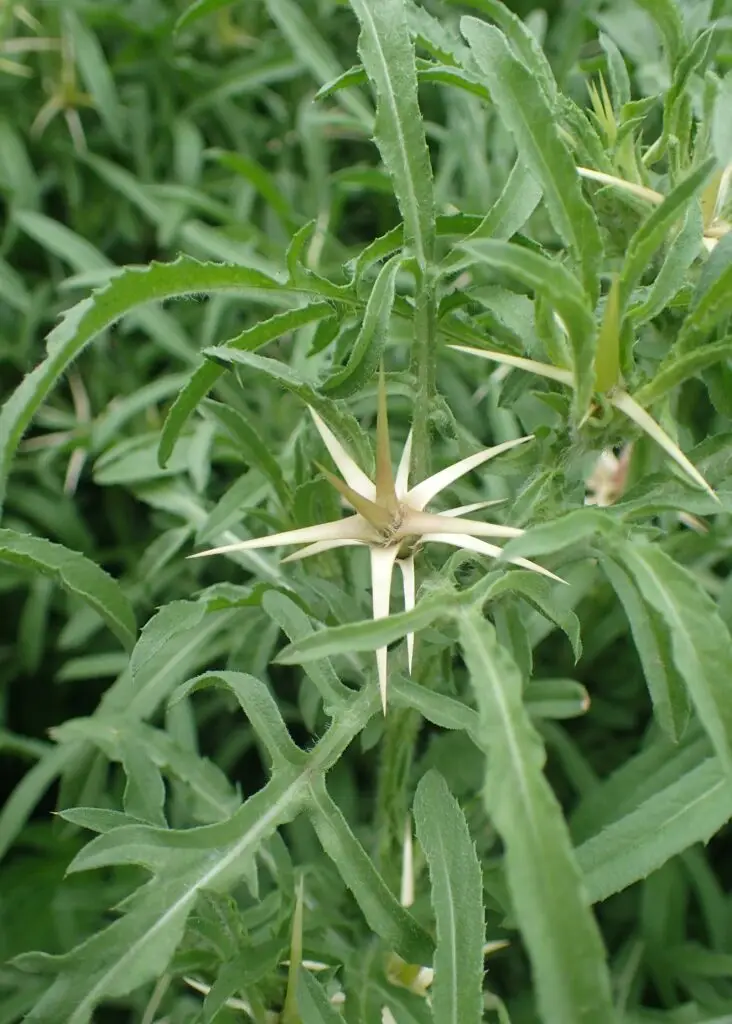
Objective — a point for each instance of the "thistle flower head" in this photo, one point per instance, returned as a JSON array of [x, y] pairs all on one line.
[[390, 519]]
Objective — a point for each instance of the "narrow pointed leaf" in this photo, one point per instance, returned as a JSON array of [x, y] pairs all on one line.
[[652, 232], [457, 899], [382, 911], [129, 289], [680, 368], [387, 54], [701, 645], [548, 895], [205, 377], [653, 643], [689, 810], [562, 291], [296, 625], [76, 574], [525, 110], [368, 348], [313, 1003], [259, 706], [607, 360]]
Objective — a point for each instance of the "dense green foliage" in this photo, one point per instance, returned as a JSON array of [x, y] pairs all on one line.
[[536, 831]]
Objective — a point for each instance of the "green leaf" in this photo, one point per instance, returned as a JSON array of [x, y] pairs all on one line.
[[701, 645], [387, 54], [667, 17], [721, 127], [565, 531], [524, 108], [341, 422], [259, 706], [523, 42], [19, 806], [652, 232], [197, 10], [204, 378], [256, 452], [562, 291], [689, 810], [95, 73], [556, 698], [315, 53], [712, 301], [293, 621], [652, 641], [457, 898], [671, 278], [313, 1003], [568, 960], [383, 912], [262, 181], [76, 574], [366, 352], [679, 368], [81, 324], [366, 635]]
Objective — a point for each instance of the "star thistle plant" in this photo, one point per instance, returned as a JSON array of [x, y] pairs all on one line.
[[390, 519]]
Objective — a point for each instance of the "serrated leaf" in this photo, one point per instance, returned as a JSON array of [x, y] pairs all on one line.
[[81, 324], [383, 912], [457, 899], [689, 810], [524, 108], [204, 378], [568, 960], [652, 232], [313, 1003], [387, 54], [522, 40], [679, 368], [367, 349], [671, 278], [76, 574], [701, 645], [315, 53], [650, 634], [562, 291], [297, 626], [259, 706], [341, 422]]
